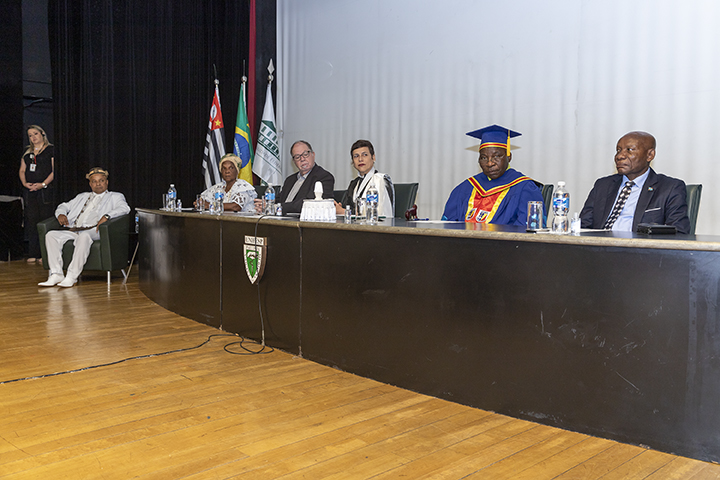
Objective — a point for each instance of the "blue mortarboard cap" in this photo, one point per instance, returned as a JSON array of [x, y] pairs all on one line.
[[494, 136]]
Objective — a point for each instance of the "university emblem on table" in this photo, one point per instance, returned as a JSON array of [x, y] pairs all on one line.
[[254, 256]]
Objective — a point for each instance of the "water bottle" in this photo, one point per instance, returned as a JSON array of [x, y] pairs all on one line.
[[561, 207], [269, 200], [371, 207], [172, 196], [219, 206], [137, 223], [348, 214]]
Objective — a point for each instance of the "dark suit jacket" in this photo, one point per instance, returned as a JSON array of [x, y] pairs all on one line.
[[307, 190], [662, 201]]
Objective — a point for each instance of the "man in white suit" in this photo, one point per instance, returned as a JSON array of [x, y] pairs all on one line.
[[81, 218]]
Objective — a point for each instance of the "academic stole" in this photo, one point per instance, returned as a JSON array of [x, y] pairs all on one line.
[[483, 204]]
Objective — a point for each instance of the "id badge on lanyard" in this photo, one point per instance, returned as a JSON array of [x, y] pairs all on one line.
[[33, 165]]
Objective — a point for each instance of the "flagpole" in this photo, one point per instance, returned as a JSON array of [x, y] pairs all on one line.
[[267, 153], [271, 70], [214, 140], [270, 79], [242, 145]]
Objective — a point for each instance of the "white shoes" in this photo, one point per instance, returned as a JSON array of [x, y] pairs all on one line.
[[68, 282], [52, 280]]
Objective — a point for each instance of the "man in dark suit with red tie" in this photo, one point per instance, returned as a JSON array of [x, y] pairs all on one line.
[[636, 194]]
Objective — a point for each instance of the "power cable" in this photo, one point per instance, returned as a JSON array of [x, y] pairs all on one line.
[[179, 350]]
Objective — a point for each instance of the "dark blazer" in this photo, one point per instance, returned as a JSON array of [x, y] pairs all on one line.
[[662, 201], [307, 190]]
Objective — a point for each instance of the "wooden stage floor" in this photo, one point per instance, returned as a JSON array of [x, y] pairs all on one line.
[[207, 414]]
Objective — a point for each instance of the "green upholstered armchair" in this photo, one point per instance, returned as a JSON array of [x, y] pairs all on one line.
[[107, 254]]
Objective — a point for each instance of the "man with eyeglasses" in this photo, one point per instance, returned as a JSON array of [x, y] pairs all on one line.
[[499, 194], [299, 186]]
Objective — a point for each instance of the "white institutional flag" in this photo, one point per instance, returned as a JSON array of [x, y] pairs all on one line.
[[267, 153]]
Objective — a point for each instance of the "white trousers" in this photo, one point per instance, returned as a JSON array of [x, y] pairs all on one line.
[[54, 241]]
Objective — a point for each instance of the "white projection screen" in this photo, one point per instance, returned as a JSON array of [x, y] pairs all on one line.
[[413, 76]]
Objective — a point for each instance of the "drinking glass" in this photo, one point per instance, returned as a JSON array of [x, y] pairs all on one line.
[[535, 216]]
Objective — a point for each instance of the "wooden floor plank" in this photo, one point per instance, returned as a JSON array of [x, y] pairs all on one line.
[[602, 463], [563, 461], [291, 456], [680, 468], [529, 458], [206, 414], [640, 466]]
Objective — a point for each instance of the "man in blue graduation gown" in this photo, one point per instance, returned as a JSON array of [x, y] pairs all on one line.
[[499, 194]]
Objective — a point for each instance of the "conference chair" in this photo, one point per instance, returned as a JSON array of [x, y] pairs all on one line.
[[405, 196], [339, 196], [546, 190], [260, 190], [107, 254], [693, 202]]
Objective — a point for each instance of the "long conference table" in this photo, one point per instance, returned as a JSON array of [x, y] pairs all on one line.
[[610, 334]]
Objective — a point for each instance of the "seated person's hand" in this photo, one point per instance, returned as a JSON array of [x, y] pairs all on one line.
[[102, 220], [232, 207], [63, 220], [339, 209], [258, 205]]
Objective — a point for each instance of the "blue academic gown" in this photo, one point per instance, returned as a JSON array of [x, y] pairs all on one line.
[[513, 208]]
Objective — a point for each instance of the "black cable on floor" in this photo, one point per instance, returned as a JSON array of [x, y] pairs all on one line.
[[242, 340], [262, 320], [263, 348]]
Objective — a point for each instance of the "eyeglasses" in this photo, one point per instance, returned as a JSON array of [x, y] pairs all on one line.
[[496, 157], [305, 154]]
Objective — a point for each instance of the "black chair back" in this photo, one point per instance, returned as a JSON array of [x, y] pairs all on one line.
[[339, 196], [260, 190], [693, 203], [546, 190], [405, 196]]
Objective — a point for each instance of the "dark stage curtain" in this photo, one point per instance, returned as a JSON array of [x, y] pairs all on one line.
[[133, 83], [12, 135]]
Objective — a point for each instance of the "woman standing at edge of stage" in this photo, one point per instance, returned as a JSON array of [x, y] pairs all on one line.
[[37, 171]]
